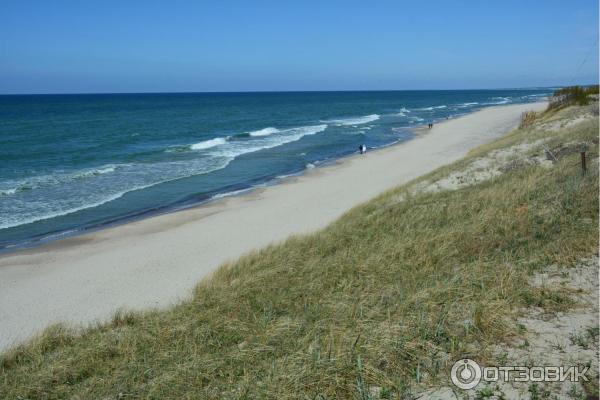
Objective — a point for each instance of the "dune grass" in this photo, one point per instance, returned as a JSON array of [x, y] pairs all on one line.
[[376, 305], [572, 95]]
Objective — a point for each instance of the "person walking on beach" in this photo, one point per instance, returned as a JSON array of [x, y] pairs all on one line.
[[360, 149]]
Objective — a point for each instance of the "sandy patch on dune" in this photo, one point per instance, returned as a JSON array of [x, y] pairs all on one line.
[[555, 126], [515, 157], [562, 339], [549, 339], [485, 168]]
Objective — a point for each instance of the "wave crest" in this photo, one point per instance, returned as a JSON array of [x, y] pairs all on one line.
[[263, 132], [207, 144], [354, 120], [60, 177]]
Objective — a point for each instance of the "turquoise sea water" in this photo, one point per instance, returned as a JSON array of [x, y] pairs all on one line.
[[69, 163]]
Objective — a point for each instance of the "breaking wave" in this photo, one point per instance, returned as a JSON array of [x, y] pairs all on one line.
[[207, 144], [354, 120], [52, 195], [264, 132]]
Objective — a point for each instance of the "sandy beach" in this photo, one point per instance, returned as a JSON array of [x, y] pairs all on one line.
[[157, 261]]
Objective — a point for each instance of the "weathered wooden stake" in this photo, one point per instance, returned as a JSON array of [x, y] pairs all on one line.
[[583, 166]]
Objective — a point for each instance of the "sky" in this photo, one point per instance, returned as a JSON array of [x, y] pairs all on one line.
[[203, 46]]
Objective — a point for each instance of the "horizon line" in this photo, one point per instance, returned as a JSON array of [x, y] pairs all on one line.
[[288, 91]]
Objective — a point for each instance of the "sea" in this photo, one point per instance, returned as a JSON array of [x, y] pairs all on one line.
[[74, 163]]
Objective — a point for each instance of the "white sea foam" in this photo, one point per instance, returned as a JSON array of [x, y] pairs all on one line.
[[93, 172], [354, 120], [207, 144], [432, 108], [106, 170], [264, 132], [6, 192], [463, 105], [56, 178], [236, 148], [48, 196], [499, 100], [232, 193], [12, 223], [67, 197], [402, 113]]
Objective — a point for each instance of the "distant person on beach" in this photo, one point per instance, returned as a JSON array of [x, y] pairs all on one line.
[[363, 149], [360, 148]]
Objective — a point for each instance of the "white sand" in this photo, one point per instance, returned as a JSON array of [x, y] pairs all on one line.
[[157, 261]]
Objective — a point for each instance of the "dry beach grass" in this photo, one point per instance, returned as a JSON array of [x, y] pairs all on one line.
[[376, 305]]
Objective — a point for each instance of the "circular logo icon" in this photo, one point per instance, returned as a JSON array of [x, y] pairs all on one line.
[[465, 374]]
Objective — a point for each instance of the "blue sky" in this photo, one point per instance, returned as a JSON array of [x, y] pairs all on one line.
[[153, 46]]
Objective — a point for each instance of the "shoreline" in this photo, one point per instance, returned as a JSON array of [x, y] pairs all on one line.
[[32, 242], [156, 261], [184, 204]]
